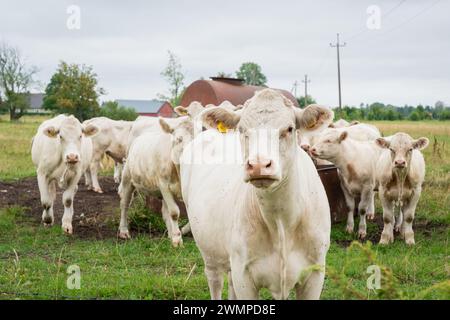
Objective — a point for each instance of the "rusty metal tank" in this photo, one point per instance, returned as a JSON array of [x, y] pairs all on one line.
[[218, 89]]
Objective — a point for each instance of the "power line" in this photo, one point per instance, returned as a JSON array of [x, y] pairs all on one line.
[[338, 45]]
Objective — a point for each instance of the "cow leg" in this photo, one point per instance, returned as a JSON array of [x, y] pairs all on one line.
[[363, 207], [117, 171], [409, 210], [311, 288], [215, 281], [186, 229], [351, 210], [68, 196], [231, 293], [171, 215], [88, 179], [387, 236], [399, 221], [47, 199], [371, 209], [95, 164], [243, 285], [126, 190]]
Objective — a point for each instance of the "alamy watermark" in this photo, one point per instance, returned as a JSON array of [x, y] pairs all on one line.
[[374, 280], [74, 279], [73, 21]]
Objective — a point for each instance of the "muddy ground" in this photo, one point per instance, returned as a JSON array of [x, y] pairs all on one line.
[[96, 215]]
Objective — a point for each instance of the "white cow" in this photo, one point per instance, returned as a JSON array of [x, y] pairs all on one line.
[[61, 152], [264, 220], [152, 166], [356, 161], [400, 173], [111, 140]]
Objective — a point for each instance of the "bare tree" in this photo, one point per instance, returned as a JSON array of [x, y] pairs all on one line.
[[16, 79], [172, 73]]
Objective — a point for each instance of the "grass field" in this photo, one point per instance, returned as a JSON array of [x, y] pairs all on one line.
[[34, 259]]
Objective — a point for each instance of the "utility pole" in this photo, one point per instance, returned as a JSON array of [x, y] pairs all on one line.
[[306, 88], [338, 45], [294, 89]]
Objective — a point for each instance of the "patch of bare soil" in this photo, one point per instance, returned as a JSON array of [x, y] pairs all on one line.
[[94, 213]]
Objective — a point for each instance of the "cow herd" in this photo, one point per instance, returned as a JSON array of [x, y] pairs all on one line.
[[256, 206]]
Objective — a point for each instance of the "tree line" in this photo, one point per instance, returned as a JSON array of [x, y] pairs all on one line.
[[73, 89]]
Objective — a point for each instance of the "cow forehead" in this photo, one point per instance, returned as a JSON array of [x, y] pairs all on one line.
[[401, 141], [70, 126], [270, 115]]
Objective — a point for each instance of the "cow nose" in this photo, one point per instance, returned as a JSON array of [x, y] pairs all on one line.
[[313, 151], [260, 168], [72, 158], [305, 147], [400, 163]]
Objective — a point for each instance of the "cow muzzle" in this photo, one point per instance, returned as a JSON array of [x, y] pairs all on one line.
[[400, 164], [261, 173], [72, 158]]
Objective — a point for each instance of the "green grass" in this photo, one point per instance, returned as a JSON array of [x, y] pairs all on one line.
[[34, 259]]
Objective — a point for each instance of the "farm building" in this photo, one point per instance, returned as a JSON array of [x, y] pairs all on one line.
[[219, 89], [150, 108], [36, 101]]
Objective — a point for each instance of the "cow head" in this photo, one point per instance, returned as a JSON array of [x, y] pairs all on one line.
[[267, 129], [308, 136], [193, 110], [70, 133], [181, 133], [328, 145], [401, 147]]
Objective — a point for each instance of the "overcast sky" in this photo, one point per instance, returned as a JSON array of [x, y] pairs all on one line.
[[406, 61]]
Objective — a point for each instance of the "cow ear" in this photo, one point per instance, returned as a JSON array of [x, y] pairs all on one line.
[[331, 125], [354, 122], [343, 136], [212, 117], [165, 126], [51, 132], [90, 130], [420, 143], [313, 117], [181, 111], [382, 143]]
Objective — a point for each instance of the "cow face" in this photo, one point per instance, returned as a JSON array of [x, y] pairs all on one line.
[[181, 133], [267, 129], [69, 135], [328, 144], [401, 147]]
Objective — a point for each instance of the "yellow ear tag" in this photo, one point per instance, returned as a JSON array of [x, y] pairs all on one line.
[[221, 127]]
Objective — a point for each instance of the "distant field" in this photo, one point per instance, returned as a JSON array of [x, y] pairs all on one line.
[[34, 259]]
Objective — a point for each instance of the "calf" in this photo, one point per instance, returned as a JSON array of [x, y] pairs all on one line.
[[111, 140], [356, 162], [152, 166], [400, 173], [265, 219], [61, 152]]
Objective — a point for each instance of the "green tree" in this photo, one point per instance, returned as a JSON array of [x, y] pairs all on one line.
[[16, 80], [251, 73], [73, 89], [113, 110], [302, 103], [175, 78]]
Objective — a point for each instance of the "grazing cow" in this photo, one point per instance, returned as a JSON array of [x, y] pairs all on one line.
[[61, 152], [400, 174], [356, 161], [152, 166], [264, 219], [111, 140]]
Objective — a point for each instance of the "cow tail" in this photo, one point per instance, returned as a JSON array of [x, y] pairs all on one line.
[[283, 255]]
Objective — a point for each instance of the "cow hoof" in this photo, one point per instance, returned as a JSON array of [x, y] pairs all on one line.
[[98, 190], [48, 225], [362, 235], [349, 229], [370, 216], [410, 242], [67, 229], [386, 239], [47, 221], [117, 180], [124, 235]]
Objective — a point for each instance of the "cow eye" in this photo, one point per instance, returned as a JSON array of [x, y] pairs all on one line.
[[392, 150], [410, 150]]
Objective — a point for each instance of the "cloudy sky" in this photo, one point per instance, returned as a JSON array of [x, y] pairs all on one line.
[[405, 61]]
